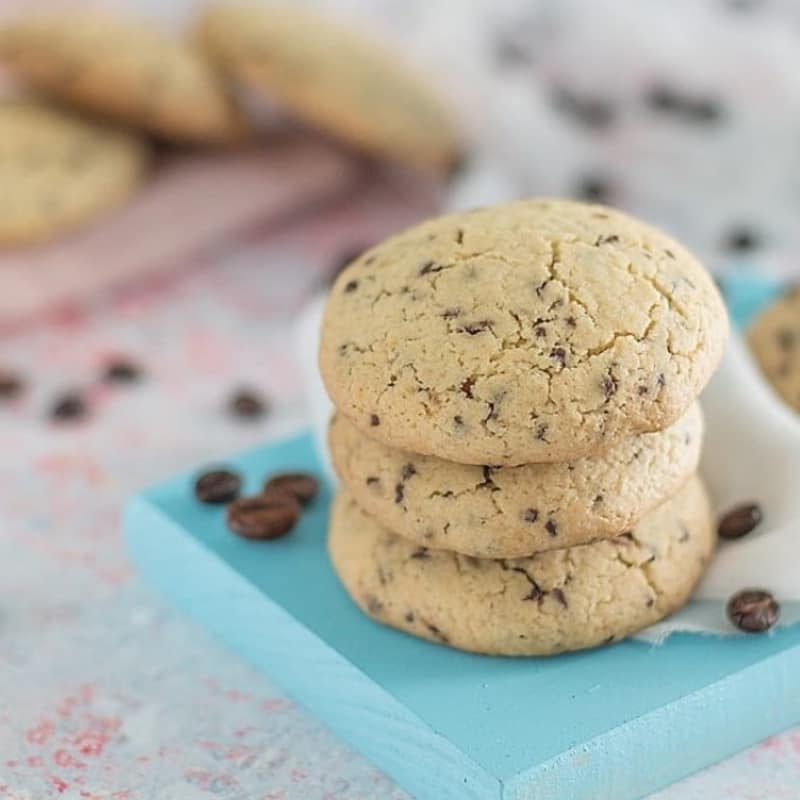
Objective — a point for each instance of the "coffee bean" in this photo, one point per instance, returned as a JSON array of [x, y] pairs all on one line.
[[739, 521], [67, 407], [741, 240], [247, 404], [753, 610], [11, 385], [265, 516], [217, 486], [299, 485], [121, 371], [593, 189]]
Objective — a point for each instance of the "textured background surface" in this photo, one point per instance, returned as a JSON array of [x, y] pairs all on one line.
[[106, 693]]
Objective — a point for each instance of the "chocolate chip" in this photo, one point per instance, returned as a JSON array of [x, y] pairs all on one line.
[[11, 385], [407, 471], [374, 420], [421, 553], [372, 480], [785, 339], [477, 327], [613, 238], [593, 189], [409, 616], [669, 253], [753, 610], [122, 371], [642, 390], [436, 632], [68, 407], [541, 431], [540, 331], [451, 313], [530, 515], [571, 322], [430, 267], [551, 528], [217, 486], [302, 486], [458, 421], [560, 355], [610, 386], [350, 286], [263, 516], [466, 386], [559, 596], [247, 404], [739, 521], [374, 606], [459, 236], [597, 500], [741, 240], [399, 492]]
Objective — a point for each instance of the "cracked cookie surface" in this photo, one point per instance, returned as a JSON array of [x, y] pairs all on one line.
[[124, 69], [535, 331], [774, 339], [59, 170], [331, 78], [550, 603], [515, 511]]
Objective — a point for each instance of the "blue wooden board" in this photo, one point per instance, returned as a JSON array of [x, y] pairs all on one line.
[[617, 722]]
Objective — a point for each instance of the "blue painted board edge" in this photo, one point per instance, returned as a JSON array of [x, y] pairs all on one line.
[[265, 634]]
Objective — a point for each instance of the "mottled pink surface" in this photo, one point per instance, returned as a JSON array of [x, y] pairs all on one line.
[[106, 692]]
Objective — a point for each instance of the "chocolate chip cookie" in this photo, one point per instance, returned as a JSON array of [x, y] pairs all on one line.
[[535, 331], [515, 511], [331, 78], [774, 339], [121, 68], [550, 603], [59, 171]]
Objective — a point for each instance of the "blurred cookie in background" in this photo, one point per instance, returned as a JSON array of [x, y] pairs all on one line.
[[332, 79], [59, 171], [774, 339], [123, 69]]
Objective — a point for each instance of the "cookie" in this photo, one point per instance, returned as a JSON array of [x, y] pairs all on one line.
[[332, 79], [774, 339], [515, 511], [123, 69], [550, 603], [535, 331], [59, 171]]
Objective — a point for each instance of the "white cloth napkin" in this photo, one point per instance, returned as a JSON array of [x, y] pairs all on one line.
[[751, 453]]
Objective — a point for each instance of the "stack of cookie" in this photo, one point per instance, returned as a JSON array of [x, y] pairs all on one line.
[[517, 429]]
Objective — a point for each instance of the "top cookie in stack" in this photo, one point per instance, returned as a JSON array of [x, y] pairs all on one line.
[[531, 332], [519, 383]]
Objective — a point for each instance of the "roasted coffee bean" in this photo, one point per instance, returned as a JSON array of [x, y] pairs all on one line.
[[122, 371], [739, 521], [741, 240], [593, 189], [300, 485], [753, 610], [247, 404], [67, 407], [217, 486], [11, 385], [265, 516]]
